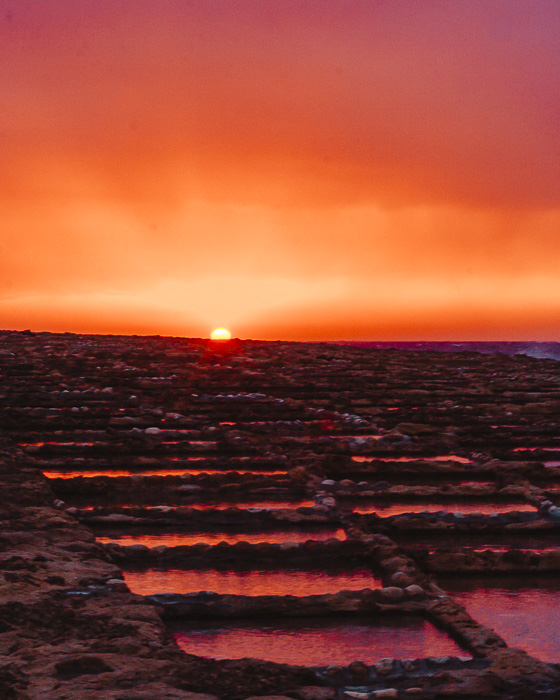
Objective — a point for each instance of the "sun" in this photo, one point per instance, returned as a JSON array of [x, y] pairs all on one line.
[[220, 334]]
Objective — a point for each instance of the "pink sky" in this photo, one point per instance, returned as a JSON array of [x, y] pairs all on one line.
[[301, 170]]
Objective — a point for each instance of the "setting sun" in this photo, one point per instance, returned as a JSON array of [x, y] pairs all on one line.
[[220, 334]]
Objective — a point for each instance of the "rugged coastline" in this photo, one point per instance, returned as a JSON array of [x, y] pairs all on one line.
[[258, 421]]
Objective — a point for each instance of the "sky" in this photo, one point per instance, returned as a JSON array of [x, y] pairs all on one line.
[[287, 169]]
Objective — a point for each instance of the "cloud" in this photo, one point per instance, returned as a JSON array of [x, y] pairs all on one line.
[[291, 104], [424, 309], [296, 153]]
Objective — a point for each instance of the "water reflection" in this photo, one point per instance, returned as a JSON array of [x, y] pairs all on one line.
[[59, 444], [252, 583], [317, 643], [253, 504], [190, 538], [524, 610], [222, 505], [154, 472], [386, 510], [536, 449], [439, 458], [480, 541]]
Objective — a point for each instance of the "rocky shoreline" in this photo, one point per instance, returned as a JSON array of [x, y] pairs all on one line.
[[71, 628]]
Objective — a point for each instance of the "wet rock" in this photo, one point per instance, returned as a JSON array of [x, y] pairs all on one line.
[[384, 666], [385, 693], [400, 578], [334, 671], [359, 671], [392, 593], [135, 549], [117, 583], [414, 591]]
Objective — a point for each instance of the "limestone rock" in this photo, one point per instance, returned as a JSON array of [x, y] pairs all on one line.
[[392, 593], [384, 666]]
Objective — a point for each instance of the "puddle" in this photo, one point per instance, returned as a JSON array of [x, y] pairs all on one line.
[[316, 642], [529, 546], [524, 610], [186, 459], [155, 472], [440, 458], [536, 547], [253, 504], [59, 444], [210, 506], [479, 541], [536, 449], [252, 583], [190, 538], [385, 510]]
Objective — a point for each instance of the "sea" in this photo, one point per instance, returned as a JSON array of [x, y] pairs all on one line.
[[540, 349]]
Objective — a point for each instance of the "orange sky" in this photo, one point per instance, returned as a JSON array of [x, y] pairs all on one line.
[[366, 169]]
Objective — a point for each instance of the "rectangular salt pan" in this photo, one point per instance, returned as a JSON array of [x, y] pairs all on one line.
[[251, 583], [524, 610], [213, 538], [268, 505], [386, 510], [222, 505], [154, 472], [440, 458], [317, 643]]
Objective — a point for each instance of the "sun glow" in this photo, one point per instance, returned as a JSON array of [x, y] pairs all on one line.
[[220, 334]]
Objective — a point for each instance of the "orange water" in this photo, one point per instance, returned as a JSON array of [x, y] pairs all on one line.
[[252, 583], [440, 458], [152, 472], [252, 504], [190, 538], [384, 511]]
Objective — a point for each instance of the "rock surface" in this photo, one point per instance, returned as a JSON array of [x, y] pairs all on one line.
[[156, 430]]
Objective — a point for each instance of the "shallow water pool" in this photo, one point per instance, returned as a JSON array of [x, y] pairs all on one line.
[[316, 642], [154, 472], [524, 610], [386, 510], [439, 458], [212, 538], [252, 583]]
